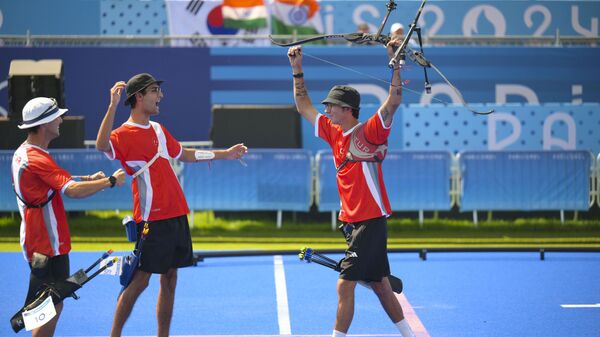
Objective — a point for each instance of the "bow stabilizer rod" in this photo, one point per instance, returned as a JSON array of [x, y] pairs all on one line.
[[391, 6]]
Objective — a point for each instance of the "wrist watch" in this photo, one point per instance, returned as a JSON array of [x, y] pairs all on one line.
[[112, 180]]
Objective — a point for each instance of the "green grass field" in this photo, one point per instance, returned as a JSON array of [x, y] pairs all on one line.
[[96, 231]]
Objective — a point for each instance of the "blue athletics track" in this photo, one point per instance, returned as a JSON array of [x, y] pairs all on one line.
[[449, 294]]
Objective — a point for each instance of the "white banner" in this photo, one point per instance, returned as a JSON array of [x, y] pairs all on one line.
[[195, 17]]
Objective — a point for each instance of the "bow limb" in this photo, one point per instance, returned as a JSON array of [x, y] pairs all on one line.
[[310, 39], [357, 38], [458, 93]]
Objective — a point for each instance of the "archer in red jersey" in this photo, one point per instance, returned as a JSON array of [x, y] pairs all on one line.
[[39, 184], [144, 148], [358, 150]]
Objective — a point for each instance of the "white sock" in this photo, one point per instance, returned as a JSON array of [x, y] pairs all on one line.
[[404, 329], [338, 334]]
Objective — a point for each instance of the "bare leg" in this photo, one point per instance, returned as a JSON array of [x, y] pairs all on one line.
[[47, 330], [388, 299], [345, 310], [127, 300], [166, 299]]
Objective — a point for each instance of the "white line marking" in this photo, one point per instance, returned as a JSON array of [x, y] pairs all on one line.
[[283, 311], [597, 305], [411, 317]]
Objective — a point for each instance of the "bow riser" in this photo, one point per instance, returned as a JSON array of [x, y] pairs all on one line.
[[394, 61]]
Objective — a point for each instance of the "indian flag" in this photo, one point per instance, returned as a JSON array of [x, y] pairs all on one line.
[[204, 20], [244, 14], [301, 16]]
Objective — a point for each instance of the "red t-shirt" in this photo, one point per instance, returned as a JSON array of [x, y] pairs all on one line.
[[360, 184], [157, 194], [35, 176]]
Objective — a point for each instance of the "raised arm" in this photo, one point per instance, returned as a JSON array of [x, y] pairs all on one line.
[[103, 138], [394, 99], [303, 102]]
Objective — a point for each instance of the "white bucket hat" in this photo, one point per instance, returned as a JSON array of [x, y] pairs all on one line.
[[395, 27], [40, 110]]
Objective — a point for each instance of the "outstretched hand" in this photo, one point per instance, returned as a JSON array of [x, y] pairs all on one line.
[[236, 152], [97, 175]]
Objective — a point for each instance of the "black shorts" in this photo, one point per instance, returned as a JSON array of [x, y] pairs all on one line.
[[168, 245], [55, 269], [366, 257]]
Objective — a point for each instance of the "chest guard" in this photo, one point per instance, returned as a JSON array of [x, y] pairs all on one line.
[[360, 149]]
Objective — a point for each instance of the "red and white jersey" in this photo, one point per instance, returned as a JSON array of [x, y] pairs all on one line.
[[35, 177], [157, 194], [360, 184]]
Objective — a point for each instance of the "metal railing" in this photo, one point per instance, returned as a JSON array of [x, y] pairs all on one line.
[[164, 40], [534, 41]]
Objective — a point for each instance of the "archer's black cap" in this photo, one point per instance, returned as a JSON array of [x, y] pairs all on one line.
[[138, 83], [343, 95]]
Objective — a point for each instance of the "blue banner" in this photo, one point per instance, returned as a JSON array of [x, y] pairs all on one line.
[[197, 78], [57, 17], [327, 197], [461, 18], [512, 127], [471, 18], [269, 180], [414, 181], [8, 200], [527, 180]]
